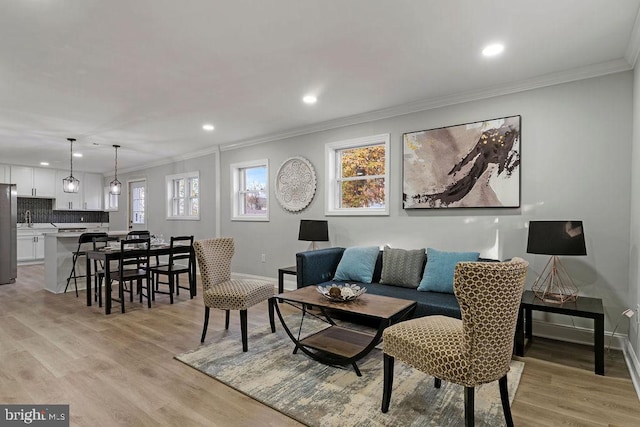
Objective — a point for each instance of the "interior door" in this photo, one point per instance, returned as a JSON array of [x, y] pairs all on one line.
[[137, 205]]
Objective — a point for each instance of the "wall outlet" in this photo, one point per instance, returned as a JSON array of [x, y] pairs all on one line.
[[263, 258]]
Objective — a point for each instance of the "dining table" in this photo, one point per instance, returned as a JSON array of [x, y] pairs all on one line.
[[108, 254]]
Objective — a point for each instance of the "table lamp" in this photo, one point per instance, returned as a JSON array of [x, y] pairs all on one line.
[[555, 238], [313, 231]]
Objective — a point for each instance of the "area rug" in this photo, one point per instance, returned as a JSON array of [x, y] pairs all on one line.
[[320, 395]]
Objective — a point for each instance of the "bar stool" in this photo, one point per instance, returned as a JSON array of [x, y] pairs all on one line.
[[84, 238]]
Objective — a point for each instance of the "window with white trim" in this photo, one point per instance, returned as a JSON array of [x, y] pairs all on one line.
[[183, 196], [357, 174], [250, 191]]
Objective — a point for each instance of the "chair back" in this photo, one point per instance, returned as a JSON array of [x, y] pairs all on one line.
[[88, 237], [489, 294], [100, 242], [180, 249], [138, 234], [134, 252], [214, 258]]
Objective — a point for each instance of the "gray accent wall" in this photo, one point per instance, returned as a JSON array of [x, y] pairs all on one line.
[[157, 221], [576, 164], [633, 299]]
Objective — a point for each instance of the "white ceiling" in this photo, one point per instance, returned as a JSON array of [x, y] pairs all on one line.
[[147, 74]]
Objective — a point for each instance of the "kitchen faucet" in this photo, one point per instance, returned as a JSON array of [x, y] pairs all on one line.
[[27, 218]]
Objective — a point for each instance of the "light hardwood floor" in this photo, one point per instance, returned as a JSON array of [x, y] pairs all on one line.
[[119, 369]]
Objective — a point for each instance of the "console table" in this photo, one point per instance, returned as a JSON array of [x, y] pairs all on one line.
[[585, 307]]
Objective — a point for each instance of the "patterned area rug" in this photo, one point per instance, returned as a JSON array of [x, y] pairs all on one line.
[[321, 395]]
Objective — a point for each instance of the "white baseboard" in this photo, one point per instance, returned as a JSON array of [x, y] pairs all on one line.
[[631, 359]]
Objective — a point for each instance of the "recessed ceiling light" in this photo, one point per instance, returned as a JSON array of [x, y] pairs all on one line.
[[309, 99], [493, 49], [208, 127], [77, 154], [44, 163]]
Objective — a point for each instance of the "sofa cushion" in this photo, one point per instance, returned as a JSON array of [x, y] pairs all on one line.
[[401, 267], [438, 273], [357, 264]]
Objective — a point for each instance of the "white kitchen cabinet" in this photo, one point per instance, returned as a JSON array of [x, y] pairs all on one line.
[[25, 247], [68, 201], [34, 182], [92, 191], [30, 244], [110, 200], [88, 197]]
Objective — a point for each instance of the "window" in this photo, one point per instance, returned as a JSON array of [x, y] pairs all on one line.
[[358, 173], [250, 195], [183, 196]]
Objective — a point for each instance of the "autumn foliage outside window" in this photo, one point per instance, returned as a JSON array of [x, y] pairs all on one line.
[[362, 177], [357, 176]]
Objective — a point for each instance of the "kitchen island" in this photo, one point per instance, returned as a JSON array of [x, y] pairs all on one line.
[[58, 260]]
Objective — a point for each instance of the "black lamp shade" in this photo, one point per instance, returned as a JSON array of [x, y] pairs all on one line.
[[313, 230], [556, 238]]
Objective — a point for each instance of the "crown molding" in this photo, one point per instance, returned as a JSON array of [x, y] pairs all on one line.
[[633, 48], [214, 149], [595, 70]]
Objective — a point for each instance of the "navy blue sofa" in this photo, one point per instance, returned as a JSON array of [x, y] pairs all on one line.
[[318, 268]]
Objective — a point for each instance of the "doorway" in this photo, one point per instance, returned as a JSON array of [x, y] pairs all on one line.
[[137, 204]]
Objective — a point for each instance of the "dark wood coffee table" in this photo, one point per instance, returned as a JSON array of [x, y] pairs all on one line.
[[340, 345]]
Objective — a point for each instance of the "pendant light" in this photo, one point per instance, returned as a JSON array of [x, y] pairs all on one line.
[[115, 186], [70, 184]]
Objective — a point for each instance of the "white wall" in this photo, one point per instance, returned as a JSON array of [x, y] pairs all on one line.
[[576, 145]]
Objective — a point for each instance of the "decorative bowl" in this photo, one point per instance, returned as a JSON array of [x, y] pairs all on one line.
[[341, 293]]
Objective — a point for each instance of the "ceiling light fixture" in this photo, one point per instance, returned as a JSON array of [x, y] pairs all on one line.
[[115, 186], [70, 184], [309, 99], [77, 154], [44, 163], [208, 127], [493, 49]]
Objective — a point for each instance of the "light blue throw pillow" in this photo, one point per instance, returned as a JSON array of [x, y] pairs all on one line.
[[357, 263], [438, 273]]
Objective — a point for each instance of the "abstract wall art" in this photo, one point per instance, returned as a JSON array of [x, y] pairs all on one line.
[[473, 165]]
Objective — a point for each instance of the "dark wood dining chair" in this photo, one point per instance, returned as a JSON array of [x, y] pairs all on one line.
[[133, 263], [100, 243], [180, 262]]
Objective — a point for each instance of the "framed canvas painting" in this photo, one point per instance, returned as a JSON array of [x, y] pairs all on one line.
[[474, 165]]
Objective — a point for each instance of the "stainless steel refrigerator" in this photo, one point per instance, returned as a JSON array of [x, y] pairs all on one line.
[[8, 237]]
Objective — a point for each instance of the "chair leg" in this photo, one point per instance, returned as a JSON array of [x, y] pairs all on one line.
[[437, 382], [504, 396], [121, 295], [171, 286], [226, 319], [271, 318], [388, 381], [206, 323], [468, 407], [243, 329]]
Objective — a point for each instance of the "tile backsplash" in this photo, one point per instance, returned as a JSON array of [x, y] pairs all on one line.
[[42, 212]]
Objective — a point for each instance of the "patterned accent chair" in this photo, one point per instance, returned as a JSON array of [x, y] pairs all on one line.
[[222, 292], [469, 352]]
